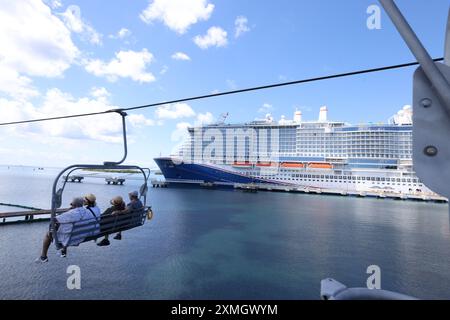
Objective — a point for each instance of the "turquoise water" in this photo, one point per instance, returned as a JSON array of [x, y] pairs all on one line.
[[224, 244]]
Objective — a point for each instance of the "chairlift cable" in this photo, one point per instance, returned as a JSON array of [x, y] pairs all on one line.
[[225, 93]]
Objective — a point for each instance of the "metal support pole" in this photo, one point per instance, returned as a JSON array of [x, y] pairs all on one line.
[[124, 130], [447, 42], [429, 67]]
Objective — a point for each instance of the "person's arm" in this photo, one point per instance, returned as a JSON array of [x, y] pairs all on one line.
[[124, 211], [108, 211], [68, 217]]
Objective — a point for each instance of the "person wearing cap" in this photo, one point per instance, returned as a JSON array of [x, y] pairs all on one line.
[[91, 205], [117, 204], [64, 227], [134, 205]]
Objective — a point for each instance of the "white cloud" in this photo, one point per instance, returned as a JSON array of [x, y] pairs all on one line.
[[100, 93], [178, 15], [240, 26], [73, 20], [265, 108], [126, 64], [215, 36], [54, 4], [34, 42], [164, 70], [107, 128], [138, 120], [121, 34], [174, 111], [15, 85], [180, 133], [231, 84], [124, 32], [205, 118], [181, 56]]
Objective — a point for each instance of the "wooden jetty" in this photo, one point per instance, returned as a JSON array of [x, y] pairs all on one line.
[[27, 215]]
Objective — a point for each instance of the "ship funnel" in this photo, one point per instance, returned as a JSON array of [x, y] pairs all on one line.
[[323, 114], [297, 116], [404, 116]]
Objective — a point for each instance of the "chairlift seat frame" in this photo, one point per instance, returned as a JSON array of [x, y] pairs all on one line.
[[91, 229]]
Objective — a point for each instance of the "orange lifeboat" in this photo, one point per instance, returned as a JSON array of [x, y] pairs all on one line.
[[242, 164], [320, 165], [265, 164], [292, 165]]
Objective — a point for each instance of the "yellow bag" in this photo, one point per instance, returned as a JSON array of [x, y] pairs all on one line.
[[149, 214]]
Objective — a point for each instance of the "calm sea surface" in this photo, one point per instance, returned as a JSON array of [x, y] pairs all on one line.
[[224, 244]]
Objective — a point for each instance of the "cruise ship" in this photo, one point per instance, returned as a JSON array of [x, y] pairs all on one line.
[[313, 156]]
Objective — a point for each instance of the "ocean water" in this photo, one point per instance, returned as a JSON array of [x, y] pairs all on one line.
[[225, 244]]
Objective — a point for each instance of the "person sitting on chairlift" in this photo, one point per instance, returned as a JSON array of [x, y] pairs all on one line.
[[64, 227], [91, 206], [134, 205], [117, 204]]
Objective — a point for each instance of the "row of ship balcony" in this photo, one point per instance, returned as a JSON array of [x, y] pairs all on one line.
[[312, 165]]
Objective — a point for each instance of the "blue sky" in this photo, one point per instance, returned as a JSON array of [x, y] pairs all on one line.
[[63, 57]]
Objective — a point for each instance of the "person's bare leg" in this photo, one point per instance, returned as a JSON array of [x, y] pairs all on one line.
[[45, 245]]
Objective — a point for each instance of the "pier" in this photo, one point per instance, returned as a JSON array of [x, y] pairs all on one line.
[[207, 185], [255, 187], [115, 181], [159, 184], [74, 178], [28, 216]]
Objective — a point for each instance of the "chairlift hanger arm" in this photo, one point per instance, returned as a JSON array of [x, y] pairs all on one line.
[[431, 104], [429, 67], [123, 114], [447, 42]]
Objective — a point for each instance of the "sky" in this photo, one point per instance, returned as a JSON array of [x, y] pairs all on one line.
[[62, 57]]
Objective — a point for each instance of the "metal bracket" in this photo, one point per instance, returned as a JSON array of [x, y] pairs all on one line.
[[331, 289], [431, 134]]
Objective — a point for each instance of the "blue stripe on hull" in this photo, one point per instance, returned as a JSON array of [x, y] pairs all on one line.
[[200, 173]]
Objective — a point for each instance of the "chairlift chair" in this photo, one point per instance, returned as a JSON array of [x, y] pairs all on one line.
[[96, 227]]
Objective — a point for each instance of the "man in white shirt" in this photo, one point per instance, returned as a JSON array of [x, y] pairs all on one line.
[[65, 224]]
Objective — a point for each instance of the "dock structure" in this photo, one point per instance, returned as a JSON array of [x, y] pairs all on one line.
[[207, 185], [248, 187], [28, 216], [254, 187], [159, 184], [115, 181], [74, 178]]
